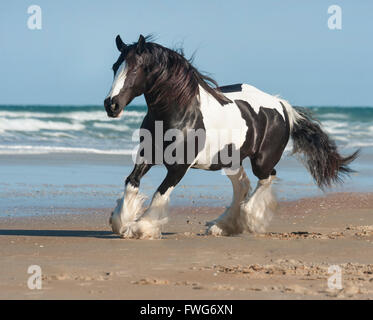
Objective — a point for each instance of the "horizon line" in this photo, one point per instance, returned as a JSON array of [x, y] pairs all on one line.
[[145, 105]]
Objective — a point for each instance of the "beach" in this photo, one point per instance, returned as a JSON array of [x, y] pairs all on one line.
[[80, 258], [62, 169], [126, 116]]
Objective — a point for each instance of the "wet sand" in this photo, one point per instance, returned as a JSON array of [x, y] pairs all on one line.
[[81, 259]]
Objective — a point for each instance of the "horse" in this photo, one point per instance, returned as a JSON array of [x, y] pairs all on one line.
[[182, 99]]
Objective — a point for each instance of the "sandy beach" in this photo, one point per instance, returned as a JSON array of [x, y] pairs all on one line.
[[81, 259], [96, 106]]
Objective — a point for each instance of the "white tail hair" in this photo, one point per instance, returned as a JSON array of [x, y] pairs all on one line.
[[293, 115]]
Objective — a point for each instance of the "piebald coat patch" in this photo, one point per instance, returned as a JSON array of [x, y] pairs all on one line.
[[256, 98]]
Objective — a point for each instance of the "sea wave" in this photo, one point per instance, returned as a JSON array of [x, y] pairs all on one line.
[[80, 116], [27, 125], [30, 149], [333, 116], [109, 126], [87, 129]]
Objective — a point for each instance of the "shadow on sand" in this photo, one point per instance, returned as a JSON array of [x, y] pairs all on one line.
[[59, 233], [65, 233]]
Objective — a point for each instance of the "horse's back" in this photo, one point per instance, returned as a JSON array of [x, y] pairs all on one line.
[[255, 97]]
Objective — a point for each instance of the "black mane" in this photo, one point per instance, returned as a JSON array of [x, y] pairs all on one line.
[[177, 80]]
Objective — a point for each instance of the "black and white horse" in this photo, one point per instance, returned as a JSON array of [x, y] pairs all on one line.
[[182, 99]]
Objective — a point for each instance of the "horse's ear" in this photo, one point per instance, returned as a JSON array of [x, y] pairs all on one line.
[[140, 44], [120, 44]]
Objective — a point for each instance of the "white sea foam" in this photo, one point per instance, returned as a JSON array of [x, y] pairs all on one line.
[[115, 127], [28, 149], [333, 116], [359, 144], [80, 116], [58, 134], [27, 125]]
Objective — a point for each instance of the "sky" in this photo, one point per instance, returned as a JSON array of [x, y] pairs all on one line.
[[282, 47]]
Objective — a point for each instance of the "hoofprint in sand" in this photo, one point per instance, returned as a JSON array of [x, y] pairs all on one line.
[[80, 257]]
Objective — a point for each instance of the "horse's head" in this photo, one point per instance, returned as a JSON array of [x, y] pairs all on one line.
[[129, 77]]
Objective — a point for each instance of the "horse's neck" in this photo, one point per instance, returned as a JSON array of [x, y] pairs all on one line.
[[170, 112]]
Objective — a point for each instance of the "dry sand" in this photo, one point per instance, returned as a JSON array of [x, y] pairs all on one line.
[[81, 258]]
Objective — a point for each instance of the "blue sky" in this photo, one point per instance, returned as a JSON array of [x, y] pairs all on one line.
[[282, 47]]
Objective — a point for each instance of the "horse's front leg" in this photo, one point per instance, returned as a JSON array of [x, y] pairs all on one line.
[[130, 205], [148, 226]]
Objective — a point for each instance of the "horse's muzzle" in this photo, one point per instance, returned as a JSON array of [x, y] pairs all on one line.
[[113, 110]]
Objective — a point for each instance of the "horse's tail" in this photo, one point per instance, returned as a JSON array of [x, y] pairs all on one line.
[[321, 156]]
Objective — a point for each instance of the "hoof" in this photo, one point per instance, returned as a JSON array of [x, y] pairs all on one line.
[[222, 229], [215, 231], [141, 230]]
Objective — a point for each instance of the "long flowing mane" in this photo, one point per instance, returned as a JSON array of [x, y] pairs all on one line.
[[177, 80]]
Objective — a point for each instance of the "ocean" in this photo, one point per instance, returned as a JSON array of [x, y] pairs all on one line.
[[54, 158], [87, 129]]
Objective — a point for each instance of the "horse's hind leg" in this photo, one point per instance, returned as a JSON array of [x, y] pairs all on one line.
[[259, 208], [231, 221]]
